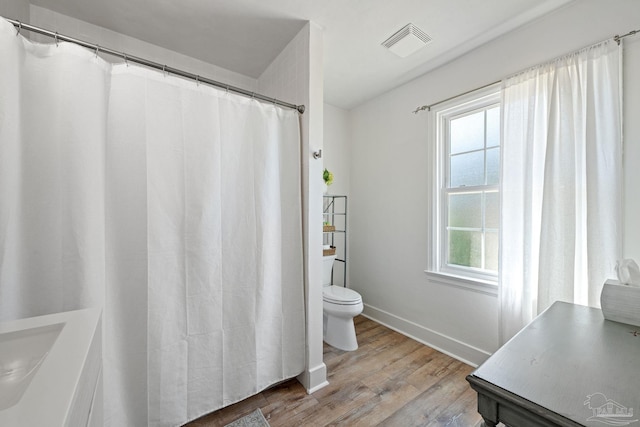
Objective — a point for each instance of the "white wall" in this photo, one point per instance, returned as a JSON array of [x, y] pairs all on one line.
[[337, 158], [110, 39], [390, 175], [337, 152], [15, 9], [296, 76], [631, 234]]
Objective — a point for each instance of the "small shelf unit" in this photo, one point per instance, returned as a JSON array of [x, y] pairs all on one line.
[[334, 211]]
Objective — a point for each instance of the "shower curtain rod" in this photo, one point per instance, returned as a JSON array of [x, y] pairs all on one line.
[[616, 38], [130, 58]]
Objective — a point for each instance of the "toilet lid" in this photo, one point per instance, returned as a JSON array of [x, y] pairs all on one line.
[[340, 295]]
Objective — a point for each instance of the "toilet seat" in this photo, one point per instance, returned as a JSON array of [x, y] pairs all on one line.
[[340, 295]]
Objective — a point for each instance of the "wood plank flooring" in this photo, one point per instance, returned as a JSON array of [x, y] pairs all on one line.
[[391, 380]]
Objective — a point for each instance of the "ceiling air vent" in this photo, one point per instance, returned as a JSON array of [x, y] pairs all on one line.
[[407, 40]]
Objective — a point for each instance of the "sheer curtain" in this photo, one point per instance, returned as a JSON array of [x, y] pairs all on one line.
[[174, 206], [561, 183]]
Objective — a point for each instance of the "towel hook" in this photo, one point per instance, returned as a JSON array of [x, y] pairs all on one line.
[[317, 154]]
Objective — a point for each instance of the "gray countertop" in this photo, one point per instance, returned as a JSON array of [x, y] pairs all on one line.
[[566, 355]]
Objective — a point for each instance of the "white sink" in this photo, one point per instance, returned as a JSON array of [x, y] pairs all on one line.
[[21, 354], [49, 368]]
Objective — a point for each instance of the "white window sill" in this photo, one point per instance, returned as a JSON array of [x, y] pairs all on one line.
[[486, 287]]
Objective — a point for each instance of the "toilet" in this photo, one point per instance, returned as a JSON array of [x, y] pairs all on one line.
[[340, 305]]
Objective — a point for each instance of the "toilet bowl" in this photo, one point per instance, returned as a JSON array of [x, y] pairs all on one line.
[[340, 305]]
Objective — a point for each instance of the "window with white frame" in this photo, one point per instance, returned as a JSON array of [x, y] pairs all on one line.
[[465, 145]]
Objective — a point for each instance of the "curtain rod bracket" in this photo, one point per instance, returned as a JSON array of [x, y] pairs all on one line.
[[618, 37]]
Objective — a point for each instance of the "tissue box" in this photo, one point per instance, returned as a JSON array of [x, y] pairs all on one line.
[[620, 303]]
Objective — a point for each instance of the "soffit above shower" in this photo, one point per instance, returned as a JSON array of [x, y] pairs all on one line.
[[246, 35]]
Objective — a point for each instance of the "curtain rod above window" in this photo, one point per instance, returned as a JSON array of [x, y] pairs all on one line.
[[428, 107], [130, 58], [616, 38]]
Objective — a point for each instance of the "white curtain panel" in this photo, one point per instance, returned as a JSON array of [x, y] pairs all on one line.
[[126, 310], [220, 245], [561, 183], [174, 206], [53, 109]]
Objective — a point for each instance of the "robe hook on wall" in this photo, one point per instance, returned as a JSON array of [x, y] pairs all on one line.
[[317, 154]]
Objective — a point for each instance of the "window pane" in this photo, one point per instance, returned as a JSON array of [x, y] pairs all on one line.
[[465, 210], [467, 133], [493, 127], [493, 166], [470, 141], [492, 210], [467, 169], [465, 248], [491, 251]]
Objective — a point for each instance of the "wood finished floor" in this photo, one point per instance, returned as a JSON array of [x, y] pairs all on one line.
[[391, 380]]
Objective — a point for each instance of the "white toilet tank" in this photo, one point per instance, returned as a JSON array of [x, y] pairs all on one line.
[[327, 266]]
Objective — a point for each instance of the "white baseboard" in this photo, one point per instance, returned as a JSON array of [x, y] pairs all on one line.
[[450, 346], [314, 379]]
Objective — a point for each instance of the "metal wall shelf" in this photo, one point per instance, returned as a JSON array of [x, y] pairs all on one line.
[[335, 209]]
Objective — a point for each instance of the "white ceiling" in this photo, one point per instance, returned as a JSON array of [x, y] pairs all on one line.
[[246, 35]]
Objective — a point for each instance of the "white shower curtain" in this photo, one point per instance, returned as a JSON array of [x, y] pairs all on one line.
[[219, 179], [561, 183], [53, 109], [177, 206]]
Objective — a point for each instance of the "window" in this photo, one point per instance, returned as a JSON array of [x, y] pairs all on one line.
[[466, 200]]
